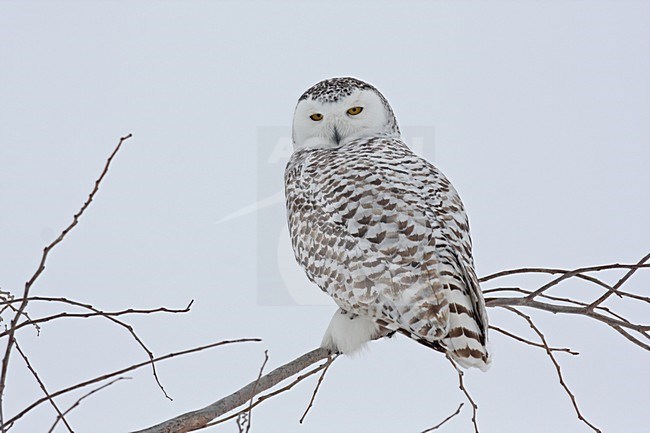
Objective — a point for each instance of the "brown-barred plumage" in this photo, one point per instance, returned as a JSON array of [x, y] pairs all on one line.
[[385, 234]]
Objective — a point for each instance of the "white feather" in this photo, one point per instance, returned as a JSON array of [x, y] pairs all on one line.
[[349, 333]]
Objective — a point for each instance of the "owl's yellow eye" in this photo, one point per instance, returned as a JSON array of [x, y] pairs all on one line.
[[355, 110], [316, 117]]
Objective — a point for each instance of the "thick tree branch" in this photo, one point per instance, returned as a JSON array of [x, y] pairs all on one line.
[[241, 402], [271, 394], [199, 418], [554, 304]]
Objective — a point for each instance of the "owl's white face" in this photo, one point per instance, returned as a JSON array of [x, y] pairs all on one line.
[[321, 124]]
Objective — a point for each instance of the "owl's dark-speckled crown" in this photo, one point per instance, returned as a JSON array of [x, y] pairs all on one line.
[[333, 89]]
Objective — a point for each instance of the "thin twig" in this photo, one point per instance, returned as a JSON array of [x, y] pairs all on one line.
[[437, 426], [42, 385], [111, 316], [555, 304], [619, 283], [577, 273], [98, 313], [39, 271], [7, 305], [582, 311], [197, 419], [594, 309], [257, 382], [461, 385], [330, 360], [83, 397], [200, 418], [125, 370], [95, 312], [246, 396], [556, 364], [631, 338], [532, 343], [267, 396], [568, 300]]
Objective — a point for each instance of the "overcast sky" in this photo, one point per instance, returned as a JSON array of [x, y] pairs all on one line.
[[539, 113]]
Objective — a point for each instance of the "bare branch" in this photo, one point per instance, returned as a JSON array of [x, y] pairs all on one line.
[[240, 403], [125, 370], [619, 283], [437, 426], [582, 311], [110, 316], [42, 385], [532, 343], [556, 364], [630, 337], [200, 418], [567, 300], [24, 313], [461, 385], [555, 304], [266, 396], [250, 403], [569, 305], [83, 397], [330, 360], [96, 313], [576, 273], [39, 271], [579, 271]]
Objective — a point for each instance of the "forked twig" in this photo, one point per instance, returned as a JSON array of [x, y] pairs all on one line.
[[556, 364]]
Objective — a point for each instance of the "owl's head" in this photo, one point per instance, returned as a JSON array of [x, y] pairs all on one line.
[[339, 110]]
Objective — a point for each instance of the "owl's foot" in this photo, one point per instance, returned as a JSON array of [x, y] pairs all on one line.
[[348, 333]]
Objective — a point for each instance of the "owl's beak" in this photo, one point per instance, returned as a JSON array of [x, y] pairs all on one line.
[[337, 135]]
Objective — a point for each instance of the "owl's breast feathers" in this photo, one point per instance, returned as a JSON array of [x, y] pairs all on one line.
[[385, 234]]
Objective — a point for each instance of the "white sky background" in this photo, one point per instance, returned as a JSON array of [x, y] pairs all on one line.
[[541, 113]]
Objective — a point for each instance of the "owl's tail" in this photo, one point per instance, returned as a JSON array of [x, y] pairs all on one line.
[[466, 340]]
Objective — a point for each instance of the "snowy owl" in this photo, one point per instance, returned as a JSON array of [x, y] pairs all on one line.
[[379, 229]]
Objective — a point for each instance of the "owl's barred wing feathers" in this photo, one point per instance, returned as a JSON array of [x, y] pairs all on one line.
[[385, 234]]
